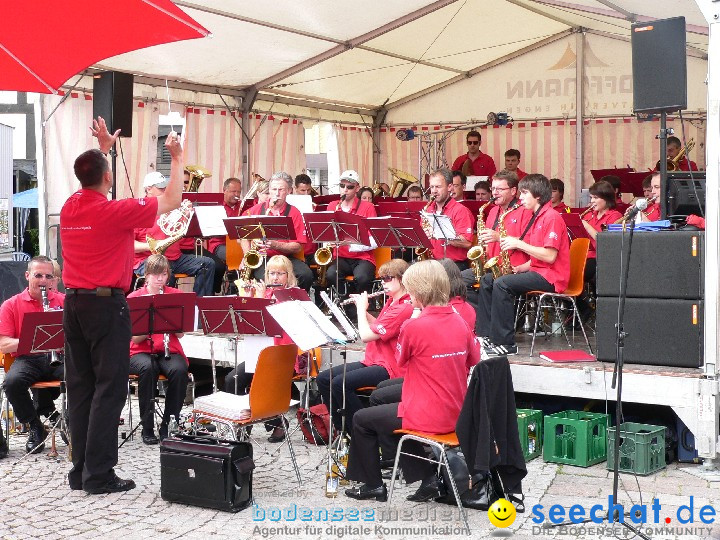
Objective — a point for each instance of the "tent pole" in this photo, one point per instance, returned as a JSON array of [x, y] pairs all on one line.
[[247, 104], [579, 114]]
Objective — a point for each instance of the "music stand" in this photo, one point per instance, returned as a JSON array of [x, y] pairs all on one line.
[[443, 229], [574, 225], [40, 333], [410, 208], [236, 315], [397, 232]]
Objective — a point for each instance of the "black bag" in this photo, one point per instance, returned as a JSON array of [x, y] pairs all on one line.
[[206, 472]]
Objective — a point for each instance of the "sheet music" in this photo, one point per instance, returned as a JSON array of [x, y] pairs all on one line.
[[350, 330], [250, 348], [305, 324], [442, 226], [225, 405], [301, 202], [210, 219]]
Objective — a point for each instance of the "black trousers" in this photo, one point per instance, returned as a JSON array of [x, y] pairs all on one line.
[[363, 271], [496, 303], [357, 376], [219, 259], [25, 371], [97, 365], [301, 270], [387, 392], [148, 367], [364, 459]]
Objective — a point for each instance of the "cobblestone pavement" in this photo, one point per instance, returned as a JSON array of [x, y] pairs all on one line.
[[37, 502]]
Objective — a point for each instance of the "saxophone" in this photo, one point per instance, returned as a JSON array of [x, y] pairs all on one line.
[[477, 254], [500, 264], [422, 253]]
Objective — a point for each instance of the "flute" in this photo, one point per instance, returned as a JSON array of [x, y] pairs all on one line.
[[352, 300]]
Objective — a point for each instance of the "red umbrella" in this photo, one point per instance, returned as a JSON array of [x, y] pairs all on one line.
[[44, 43]]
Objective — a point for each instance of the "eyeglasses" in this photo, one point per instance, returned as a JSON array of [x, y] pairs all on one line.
[[473, 143], [277, 274], [386, 279], [46, 276], [348, 186], [499, 188]]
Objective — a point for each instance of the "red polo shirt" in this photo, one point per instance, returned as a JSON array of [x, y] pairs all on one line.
[[653, 212], [561, 207], [381, 352], [462, 221], [520, 173], [154, 344], [610, 216], [172, 252], [230, 211], [515, 224], [465, 310], [549, 231], [483, 165], [684, 165], [282, 210], [97, 238], [436, 369], [360, 208], [14, 309]]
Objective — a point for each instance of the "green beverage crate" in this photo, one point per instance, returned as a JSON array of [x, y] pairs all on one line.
[[575, 438], [642, 448], [530, 424]]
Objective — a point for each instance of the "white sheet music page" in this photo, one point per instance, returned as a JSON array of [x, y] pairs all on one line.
[[210, 220], [305, 324], [442, 226], [250, 348], [225, 405]]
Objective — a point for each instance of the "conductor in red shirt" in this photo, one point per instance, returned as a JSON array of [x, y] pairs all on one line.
[[97, 246], [475, 163]]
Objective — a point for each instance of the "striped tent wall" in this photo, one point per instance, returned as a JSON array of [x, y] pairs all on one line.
[[212, 141], [355, 151], [276, 144]]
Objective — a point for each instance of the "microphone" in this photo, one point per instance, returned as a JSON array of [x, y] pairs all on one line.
[[640, 206]]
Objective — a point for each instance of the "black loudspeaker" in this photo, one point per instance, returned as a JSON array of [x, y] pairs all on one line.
[[685, 194], [663, 264], [661, 332], [113, 100], [659, 65], [12, 278]]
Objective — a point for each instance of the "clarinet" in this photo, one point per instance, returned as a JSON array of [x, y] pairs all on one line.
[[54, 358], [166, 337]]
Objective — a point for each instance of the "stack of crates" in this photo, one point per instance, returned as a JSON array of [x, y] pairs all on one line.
[[576, 438], [642, 448], [530, 427]]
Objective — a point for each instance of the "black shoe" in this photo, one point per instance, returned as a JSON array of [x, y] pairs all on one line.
[[36, 440], [278, 435], [163, 431], [431, 488], [387, 474], [148, 436], [501, 350], [115, 485], [363, 492], [517, 500], [3, 447], [481, 496]]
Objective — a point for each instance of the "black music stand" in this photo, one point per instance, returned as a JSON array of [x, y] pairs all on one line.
[[236, 316], [160, 314], [40, 333]]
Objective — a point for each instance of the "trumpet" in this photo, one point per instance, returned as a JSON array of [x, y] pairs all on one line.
[[352, 300], [588, 209]]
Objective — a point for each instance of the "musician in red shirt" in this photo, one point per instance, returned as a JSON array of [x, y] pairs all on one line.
[[457, 188], [280, 187], [433, 391], [155, 354], [548, 269], [355, 260], [558, 193], [652, 212], [474, 163], [440, 183], [512, 162], [673, 149]]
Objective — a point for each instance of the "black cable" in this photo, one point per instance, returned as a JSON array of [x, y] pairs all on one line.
[[687, 157], [127, 174]]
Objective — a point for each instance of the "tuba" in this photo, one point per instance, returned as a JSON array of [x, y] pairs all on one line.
[[174, 224], [424, 253], [323, 257], [197, 175], [476, 254], [500, 264], [401, 181]]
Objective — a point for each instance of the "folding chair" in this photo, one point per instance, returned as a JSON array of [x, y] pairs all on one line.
[[442, 443], [269, 395], [578, 258]]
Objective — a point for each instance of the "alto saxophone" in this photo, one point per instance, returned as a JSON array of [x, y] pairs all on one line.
[[423, 253], [500, 264], [477, 254]]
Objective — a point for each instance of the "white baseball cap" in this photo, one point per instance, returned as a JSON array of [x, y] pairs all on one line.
[[155, 179], [350, 175]]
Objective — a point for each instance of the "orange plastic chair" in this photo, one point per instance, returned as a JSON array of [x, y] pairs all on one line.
[[269, 394], [578, 258], [233, 259]]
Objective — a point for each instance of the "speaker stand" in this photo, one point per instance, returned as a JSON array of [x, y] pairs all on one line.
[[113, 167], [663, 135]]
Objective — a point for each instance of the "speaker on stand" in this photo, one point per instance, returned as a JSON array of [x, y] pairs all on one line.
[[113, 100]]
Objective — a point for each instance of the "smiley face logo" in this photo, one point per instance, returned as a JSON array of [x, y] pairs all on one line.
[[502, 513]]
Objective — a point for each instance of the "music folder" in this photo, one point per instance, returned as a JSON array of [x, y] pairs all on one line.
[[41, 332], [338, 227], [236, 315], [258, 227], [574, 224], [162, 313], [305, 324], [397, 232], [442, 226]]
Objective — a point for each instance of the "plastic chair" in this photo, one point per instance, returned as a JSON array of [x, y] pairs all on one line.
[[233, 259], [443, 443], [578, 258], [269, 394]]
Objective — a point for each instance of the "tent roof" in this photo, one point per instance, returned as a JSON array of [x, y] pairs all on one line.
[[365, 55]]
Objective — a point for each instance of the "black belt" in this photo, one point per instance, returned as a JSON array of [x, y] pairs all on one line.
[[99, 291]]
